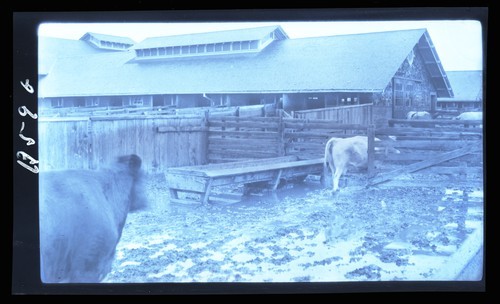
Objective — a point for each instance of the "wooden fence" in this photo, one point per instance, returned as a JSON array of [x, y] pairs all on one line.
[[164, 141], [242, 138], [449, 147], [92, 142], [355, 114], [85, 140]]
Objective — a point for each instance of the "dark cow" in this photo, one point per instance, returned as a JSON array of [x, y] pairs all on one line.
[[82, 214]]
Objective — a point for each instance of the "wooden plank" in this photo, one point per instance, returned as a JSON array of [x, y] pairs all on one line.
[[326, 134], [430, 144], [380, 178], [453, 170], [242, 134], [261, 168], [320, 124], [242, 145], [243, 119], [166, 129], [305, 154], [412, 156], [419, 183], [306, 145], [433, 122], [276, 181], [243, 153], [243, 142], [225, 160], [206, 194], [242, 124], [194, 182], [261, 161], [428, 131], [371, 151]]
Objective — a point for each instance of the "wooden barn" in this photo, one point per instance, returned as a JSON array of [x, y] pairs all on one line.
[[393, 72], [467, 90]]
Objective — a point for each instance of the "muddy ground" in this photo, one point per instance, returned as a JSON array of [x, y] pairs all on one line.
[[301, 233]]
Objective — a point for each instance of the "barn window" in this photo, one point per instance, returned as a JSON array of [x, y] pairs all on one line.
[[210, 47], [154, 52], [185, 49], [192, 49], [254, 44], [139, 53], [226, 46], [218, 47], [245, 45], [201, 48], [161, 51], [177, 50], [169, 51], [236, 46], [147, 52]]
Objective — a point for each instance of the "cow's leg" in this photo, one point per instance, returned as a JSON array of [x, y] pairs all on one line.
[[336, 177], [340, 168]]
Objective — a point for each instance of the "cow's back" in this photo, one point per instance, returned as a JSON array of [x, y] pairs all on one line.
[[351, 151]]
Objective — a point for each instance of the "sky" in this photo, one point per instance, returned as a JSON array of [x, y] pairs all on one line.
[[458, 42]]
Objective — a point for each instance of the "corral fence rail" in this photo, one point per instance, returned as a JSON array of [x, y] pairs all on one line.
[[450, 147], [243, 138]]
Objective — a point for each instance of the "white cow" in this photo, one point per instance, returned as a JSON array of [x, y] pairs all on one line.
[[340, 153], [418, 115], [343, 152], [478, 116], [470, 116]]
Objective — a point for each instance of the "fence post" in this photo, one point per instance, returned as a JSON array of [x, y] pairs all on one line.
[[92, 163], [371, 150], [281, 136]]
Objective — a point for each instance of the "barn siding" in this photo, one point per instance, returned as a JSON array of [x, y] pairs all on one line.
[[413, 73]]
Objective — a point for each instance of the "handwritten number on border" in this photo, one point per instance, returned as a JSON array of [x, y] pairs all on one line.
[[21, 155]]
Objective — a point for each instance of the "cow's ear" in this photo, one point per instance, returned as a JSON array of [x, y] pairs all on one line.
[[134, 162]]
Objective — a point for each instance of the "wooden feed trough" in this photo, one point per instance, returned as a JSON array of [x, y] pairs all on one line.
[[200, 180]]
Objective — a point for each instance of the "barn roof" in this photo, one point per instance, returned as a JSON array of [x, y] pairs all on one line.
[[357, 63], [110, 38], [467, 85], [256, 33], [50, 49]]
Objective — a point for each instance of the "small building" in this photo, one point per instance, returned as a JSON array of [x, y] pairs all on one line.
[[467, 89], [396, 71]]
